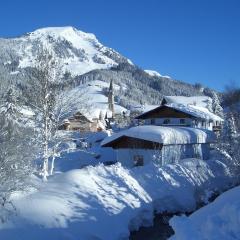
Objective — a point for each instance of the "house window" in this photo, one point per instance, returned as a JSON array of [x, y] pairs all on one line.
[[138, 160], [166, 121], [153, 121], [182, 121]]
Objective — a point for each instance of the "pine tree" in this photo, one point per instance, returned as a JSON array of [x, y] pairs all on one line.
[[16, 154], [209, 105], [216, 107]]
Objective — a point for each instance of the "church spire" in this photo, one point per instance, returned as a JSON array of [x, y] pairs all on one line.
[[111, 98]]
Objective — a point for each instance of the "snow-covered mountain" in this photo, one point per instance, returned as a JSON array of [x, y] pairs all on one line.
[[155, 74], [84, 59], [77, 51]]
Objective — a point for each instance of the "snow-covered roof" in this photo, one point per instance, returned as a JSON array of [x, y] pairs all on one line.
[[196, 111], [201, 101], [192, 110], [165, 135]]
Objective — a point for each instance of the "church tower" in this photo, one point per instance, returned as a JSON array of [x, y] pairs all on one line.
[[111, 98]]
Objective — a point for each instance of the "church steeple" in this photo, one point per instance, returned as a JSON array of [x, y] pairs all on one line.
[[111, 98]]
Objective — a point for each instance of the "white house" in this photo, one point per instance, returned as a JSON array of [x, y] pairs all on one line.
[[139, 145], [174, 114]]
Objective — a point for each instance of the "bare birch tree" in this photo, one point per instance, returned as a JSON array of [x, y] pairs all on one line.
[[51, 105], [41, 93], [65, 105]]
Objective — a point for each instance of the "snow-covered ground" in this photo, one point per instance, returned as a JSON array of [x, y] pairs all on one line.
[[106, 202], [218, 220], [93, 99], [81, 150], [155, 74]]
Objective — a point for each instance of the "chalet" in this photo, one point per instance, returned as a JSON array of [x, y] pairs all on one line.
[[96, 119], [82, 123], [140, 145], [181, 115]]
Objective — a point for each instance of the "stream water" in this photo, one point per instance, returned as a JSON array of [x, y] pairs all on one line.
[[161, 230]]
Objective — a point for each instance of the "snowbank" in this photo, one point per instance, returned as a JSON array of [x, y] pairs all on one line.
[[218, 220], [165, 135], [105, 202]]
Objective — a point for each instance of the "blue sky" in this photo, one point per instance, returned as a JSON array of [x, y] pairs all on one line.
[[190, 40]]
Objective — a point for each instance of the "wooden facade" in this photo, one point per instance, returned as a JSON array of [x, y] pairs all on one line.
[[169, 116], [164, 112], [133, 143], [79, 122]]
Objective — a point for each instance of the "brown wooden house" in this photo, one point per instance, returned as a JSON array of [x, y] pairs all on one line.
[[82, 123], [181, 115]]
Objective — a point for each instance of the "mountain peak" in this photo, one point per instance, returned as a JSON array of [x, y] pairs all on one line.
[[77, 52], [67, 32]]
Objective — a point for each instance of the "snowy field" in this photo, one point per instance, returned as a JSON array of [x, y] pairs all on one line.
[[107, 202], [96, 101], [218, 220]]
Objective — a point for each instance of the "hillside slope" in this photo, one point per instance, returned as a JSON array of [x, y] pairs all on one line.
[[83, 59]]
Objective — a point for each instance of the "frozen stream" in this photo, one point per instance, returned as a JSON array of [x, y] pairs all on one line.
[[161, 230]]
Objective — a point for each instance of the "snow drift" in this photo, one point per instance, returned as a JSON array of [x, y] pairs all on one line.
[[218, 220], [106, 202]]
